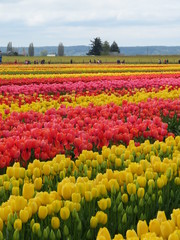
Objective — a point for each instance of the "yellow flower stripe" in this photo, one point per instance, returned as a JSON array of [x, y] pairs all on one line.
[[77, 75], [84, 101]]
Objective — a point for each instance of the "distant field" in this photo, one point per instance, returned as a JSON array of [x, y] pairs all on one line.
[[85, 59]]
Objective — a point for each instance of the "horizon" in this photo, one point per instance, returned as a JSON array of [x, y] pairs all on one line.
[[89, 46]]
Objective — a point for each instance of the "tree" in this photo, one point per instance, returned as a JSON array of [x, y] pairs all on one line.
[[9, 47], [60, 49], [31, 50], [114, 47], [105, 48], [96, 47]]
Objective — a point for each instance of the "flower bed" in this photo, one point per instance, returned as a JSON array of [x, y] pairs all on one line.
[[89, 151]]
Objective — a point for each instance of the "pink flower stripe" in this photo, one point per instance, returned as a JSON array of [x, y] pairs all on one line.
[[90, 86]]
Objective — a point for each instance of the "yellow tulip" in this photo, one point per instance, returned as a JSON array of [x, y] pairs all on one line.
[[38, 183], [124, 198], [102, 204], [160, 183], [142, 228], [103, 232], [102, 217], [56, 205], [88, 196], [131, 234], [46, 169], [161, 217], [129, 177], [6, 185], [64, 213], [36, 172], [7, 211], [1, 224], [34, 207], [9, 171], [118, 237], [42, 212], [28, 190], [24, 215], [140, 192], [154, 226], [93, 222], [16, 172], [173, 236], [18, 224], [76, 197], [66, 191], [15, 191], [35, 227], [166, 229], [142, 181], [55, 222], [131, 188]]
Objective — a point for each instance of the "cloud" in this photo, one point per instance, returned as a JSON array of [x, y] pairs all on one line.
[[129, 21]]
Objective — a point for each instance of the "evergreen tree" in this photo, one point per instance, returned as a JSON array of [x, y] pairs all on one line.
[[31, 50], [96, 47], [105, 48], [60, 49], [9, 47], [114, 47]]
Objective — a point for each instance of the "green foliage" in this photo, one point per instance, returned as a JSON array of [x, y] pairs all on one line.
[[31, 50], [85, 59], [114, 47], [96, 47], [60, 49], [105, 48]]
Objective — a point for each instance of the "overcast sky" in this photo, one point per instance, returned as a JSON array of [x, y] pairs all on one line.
[[76, 22]]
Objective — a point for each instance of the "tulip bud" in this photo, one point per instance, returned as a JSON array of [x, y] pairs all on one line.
[[35, 228], [160, 201], [135, 209], [52, 235], [1, 236], [141, 202], [120, 207], [39, 233], [89, 235], [124, 218], [16, 235], [66, 230], [58, 234], [79, 226], [9, 227], [45, 234]]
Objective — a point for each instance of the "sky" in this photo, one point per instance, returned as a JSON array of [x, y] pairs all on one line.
[[77, 22]]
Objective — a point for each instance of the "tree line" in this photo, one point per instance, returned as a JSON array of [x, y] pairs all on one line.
[[11, 51], [103, 48], [97, 48]]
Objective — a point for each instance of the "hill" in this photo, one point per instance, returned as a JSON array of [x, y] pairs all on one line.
[[82, 50]]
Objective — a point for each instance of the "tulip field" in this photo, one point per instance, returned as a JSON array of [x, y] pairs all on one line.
[[90, 151]]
